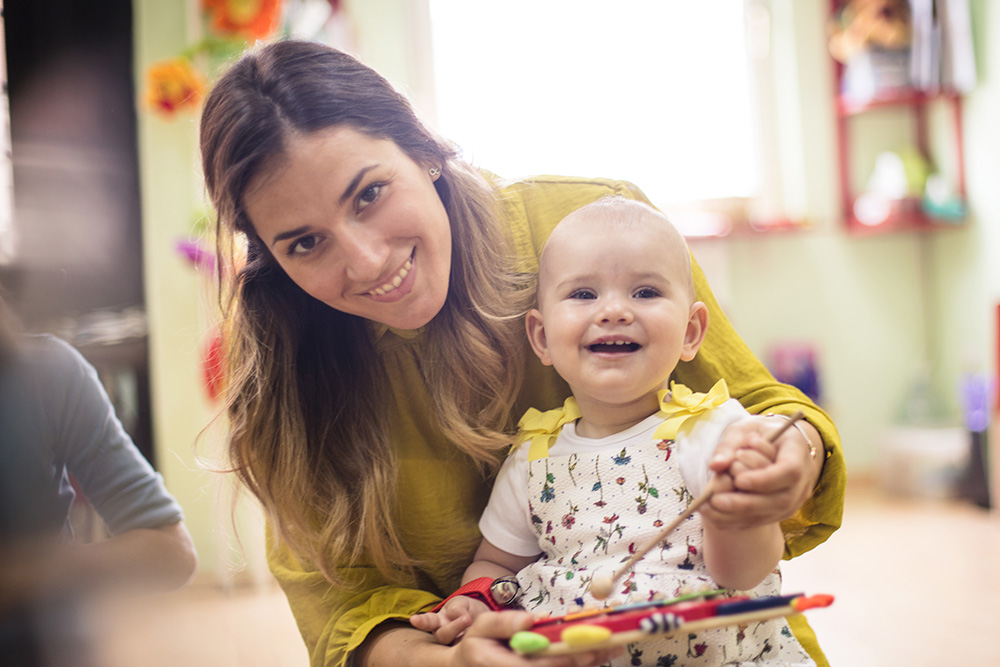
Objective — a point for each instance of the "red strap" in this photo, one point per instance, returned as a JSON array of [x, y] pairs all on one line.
[[477, 588]]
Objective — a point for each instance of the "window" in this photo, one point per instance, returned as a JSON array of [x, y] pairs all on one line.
[[656, 92]]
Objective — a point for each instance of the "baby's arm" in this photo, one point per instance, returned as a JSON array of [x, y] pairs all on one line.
[[736, 557], [448, 623]]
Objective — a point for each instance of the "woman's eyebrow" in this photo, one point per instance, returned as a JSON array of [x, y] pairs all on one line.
[[352, 186], [288, 234]]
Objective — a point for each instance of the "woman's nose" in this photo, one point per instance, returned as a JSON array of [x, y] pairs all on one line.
[[364, 253]]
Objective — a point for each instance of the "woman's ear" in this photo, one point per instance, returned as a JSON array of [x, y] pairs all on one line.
[[697, 327], [535, 327]]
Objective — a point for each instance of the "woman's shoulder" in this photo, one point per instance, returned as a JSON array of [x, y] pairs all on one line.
[[561, 195]]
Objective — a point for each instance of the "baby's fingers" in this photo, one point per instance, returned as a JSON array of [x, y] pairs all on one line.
[[452, 631], [748, 459], [425, 622]]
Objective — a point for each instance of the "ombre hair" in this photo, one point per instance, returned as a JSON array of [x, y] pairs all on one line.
[[306, 392]]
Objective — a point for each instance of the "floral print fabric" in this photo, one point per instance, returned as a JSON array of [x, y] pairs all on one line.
[[592, 511]]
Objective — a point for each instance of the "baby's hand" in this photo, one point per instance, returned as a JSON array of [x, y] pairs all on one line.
[[752, 451], [758, 482], [449, 623]]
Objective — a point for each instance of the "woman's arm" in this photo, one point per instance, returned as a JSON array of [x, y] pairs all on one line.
[[483, 645]]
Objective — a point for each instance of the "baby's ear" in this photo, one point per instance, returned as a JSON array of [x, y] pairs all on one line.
[[697, 327], [535, 327]]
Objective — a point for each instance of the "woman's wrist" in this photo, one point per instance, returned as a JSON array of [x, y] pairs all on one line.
[[810, 437], [798, 426], [397, 643]]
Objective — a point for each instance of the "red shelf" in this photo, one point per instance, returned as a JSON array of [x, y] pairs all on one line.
[[904, 215], [908, 214], [897, 98]]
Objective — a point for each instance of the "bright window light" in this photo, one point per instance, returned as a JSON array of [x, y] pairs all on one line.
[[651, 91]]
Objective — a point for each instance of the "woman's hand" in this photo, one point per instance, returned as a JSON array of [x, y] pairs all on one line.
[[484, 645], [750, 491]]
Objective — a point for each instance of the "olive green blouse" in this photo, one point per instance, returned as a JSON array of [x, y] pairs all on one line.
[[440, 493]]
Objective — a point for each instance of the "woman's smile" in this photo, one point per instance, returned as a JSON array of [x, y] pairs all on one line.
[[398, 286]]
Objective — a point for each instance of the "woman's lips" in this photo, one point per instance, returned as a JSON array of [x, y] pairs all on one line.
[[394, 282]]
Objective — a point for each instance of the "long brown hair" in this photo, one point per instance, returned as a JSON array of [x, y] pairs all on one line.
[[311, 447]]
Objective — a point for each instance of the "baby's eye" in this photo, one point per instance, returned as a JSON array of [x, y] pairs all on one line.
[[303, 245], [582, 294], [369, 195], [646, 293]]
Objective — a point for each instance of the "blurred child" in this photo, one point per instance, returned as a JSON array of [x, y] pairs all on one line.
[[55, 421]]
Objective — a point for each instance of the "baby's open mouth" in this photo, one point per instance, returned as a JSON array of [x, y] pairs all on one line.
[[615, 347]]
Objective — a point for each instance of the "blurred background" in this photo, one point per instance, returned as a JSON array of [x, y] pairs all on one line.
[[833, 164]]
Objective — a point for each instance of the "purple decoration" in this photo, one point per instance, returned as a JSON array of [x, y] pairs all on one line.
[[202, 259], [977, 396]]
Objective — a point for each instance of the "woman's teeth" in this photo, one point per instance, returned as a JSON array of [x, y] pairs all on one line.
[[396, 281]]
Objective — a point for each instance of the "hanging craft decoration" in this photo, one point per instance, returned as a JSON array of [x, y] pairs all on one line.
[[173, 85], [252, 19], [177, 84]]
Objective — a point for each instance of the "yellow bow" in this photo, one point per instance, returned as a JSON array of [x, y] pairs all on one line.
[[680, 404], [542, 428]]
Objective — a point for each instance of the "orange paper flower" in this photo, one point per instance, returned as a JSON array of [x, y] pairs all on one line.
[[253, 19], [173, 85]]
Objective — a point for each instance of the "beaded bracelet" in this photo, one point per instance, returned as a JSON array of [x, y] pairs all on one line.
[[797, 427]]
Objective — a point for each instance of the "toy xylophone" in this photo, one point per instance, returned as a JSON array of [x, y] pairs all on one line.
[[631, 623]]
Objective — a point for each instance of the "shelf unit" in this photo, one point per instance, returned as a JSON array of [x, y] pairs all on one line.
[[906, 214]]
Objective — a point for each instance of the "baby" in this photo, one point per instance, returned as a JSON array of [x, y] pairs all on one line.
[[592, 482]]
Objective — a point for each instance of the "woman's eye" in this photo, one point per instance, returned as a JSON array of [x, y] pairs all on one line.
[[646, 293], [369, 195], [303, 245], [582, 294]]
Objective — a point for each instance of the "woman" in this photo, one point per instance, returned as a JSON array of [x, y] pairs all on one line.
[[377, 359]]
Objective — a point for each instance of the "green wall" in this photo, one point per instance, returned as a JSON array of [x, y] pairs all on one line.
[[178, 299]]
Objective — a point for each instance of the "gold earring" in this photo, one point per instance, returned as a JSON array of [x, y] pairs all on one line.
[[434, 172]]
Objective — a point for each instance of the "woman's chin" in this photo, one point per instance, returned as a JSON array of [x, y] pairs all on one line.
[[412, 318]]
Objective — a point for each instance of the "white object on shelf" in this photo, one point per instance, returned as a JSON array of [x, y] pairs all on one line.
[[923, 462]]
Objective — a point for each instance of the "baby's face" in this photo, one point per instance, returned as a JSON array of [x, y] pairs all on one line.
[[614, 308]]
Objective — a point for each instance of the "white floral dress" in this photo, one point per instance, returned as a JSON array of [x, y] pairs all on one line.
[[592, 503]]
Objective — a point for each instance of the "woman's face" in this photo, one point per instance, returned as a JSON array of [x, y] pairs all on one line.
[[357, 224]]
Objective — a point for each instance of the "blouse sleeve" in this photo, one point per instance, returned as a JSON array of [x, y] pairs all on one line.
[[335, 621]]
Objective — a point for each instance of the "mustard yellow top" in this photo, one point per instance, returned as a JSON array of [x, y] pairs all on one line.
[[440, 493]]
